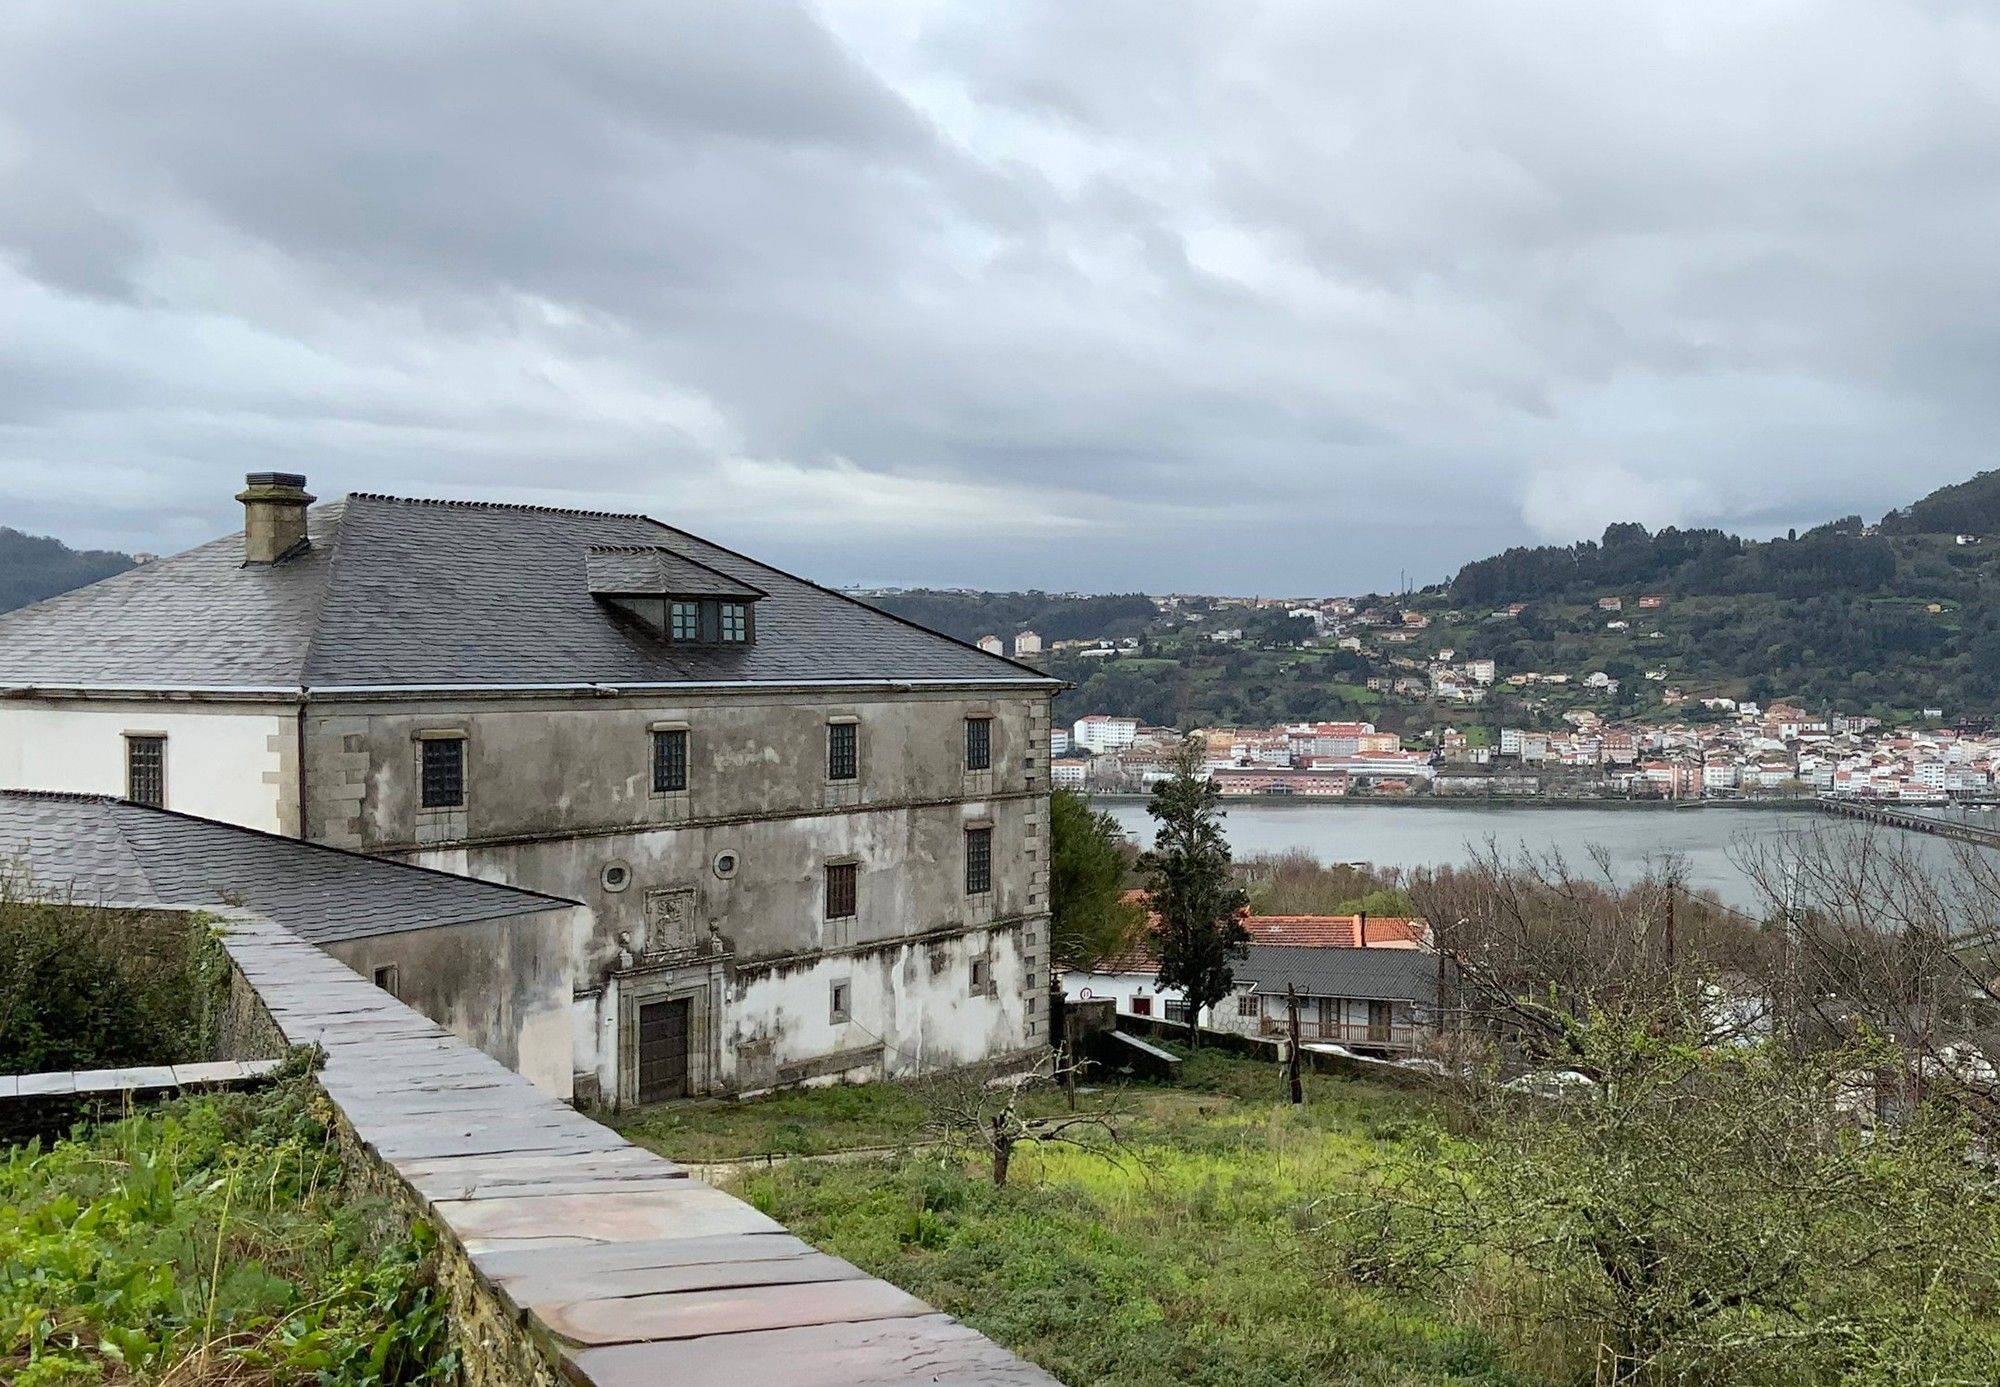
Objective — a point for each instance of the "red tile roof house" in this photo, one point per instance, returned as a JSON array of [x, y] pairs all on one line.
[[1363, 980]]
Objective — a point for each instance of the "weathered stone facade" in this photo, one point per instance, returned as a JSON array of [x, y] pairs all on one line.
[[717, 893]]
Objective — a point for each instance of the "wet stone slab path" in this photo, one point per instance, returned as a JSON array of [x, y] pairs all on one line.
[[627, 1269]]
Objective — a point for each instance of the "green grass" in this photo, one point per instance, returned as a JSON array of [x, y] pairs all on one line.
[[213, 1239], [1182, 1258], [800, 1122]]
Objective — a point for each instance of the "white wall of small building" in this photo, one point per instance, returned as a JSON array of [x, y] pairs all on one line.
[[223, 761]]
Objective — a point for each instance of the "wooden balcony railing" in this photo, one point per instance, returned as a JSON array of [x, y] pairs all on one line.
[[1362, 1035]]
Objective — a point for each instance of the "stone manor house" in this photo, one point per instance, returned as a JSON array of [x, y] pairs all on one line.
[[810, 838]]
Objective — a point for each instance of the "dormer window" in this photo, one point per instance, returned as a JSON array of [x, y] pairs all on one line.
[[678, 599]]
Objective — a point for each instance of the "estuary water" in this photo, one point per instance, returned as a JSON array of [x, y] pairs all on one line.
[[1429, 834]]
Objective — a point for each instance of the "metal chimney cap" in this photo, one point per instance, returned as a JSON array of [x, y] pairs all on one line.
[[295, 480]]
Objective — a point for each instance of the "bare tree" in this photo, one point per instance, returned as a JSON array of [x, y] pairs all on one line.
[[1888, 933], [986, 1107], [1533, 945]]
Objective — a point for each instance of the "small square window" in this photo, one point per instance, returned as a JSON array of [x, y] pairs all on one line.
[[841, 1008], [146, 770], [978, 861], [444, 772], [735, 622], [840, 890], [1142, 1006], [670, 761], [843, 751], [684, 621], [1247, 1004], [979, 744], [386, 978]]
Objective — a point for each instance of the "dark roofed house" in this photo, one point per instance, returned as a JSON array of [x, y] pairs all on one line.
[[490, 963], [1373, 999], [761, 789]]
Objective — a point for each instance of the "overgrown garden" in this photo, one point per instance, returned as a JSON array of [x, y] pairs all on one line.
[[211, 1240]]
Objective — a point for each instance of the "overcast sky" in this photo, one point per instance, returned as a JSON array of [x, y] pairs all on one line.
[[1230, 296]]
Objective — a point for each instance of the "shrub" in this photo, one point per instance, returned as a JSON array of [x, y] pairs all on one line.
[[83, 987]]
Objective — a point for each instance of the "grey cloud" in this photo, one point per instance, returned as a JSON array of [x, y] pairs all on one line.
[[1256, 296]]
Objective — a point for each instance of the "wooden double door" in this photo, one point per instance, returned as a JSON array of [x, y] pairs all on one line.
[[664, 1039]]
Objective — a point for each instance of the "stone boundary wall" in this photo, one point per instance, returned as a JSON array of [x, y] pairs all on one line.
[[567, 1254]]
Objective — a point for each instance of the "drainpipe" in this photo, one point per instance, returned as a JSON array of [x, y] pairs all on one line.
[[300, 753]]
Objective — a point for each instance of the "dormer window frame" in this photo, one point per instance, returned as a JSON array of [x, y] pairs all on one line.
[[681, 600]]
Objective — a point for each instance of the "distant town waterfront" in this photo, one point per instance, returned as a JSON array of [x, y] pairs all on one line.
[[1432, 834]]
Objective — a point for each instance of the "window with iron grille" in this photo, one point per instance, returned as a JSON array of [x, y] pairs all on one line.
[[444, 772], [843, 742], [1177, 1011], [978, 861], [735, 622], [840, 892], [684, 621], [979, 744], [146, 770], [670, 761]]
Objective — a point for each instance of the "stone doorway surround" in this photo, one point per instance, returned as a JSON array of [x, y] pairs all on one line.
[[697, 980]]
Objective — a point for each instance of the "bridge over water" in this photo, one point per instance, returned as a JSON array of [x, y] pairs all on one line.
[[1894, 816]]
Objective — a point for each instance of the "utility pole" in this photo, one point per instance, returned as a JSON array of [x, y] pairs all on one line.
[[1294, 1085]]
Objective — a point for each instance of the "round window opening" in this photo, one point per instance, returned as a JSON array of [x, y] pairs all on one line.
[[616, 876], [725, 864]]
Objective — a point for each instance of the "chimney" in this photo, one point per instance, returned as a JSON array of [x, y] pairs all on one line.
[[274, 516], [1363, 928]]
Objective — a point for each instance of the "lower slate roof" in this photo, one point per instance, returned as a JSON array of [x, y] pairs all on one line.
[[412, 594], [1375, 975], [95, 850]]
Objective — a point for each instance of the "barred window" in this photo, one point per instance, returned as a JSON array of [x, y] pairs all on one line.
[[146, 770], [843, 742], [978, 861], [670, 761], [840, 890], [979, 744], [735, 622], [1178, 1012], [444, 772], [684, 621]]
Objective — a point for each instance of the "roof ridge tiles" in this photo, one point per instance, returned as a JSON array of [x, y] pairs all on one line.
[[456, 504], [71, 796]]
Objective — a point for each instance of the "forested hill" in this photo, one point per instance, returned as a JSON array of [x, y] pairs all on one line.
[[1900, 614], [1054, 617], [33, 567]]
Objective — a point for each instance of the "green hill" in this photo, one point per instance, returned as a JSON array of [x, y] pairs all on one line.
[[33, 567], [1893, 617]]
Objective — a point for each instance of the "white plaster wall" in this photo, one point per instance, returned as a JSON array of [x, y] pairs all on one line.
[[222, 763], [914, 999]]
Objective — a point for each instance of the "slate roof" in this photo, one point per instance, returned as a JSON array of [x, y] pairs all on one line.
[[102, 851], [413, 594], [1379, 975], [635, 570]]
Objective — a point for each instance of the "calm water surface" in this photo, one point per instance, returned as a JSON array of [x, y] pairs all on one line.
[[1391, 835]]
